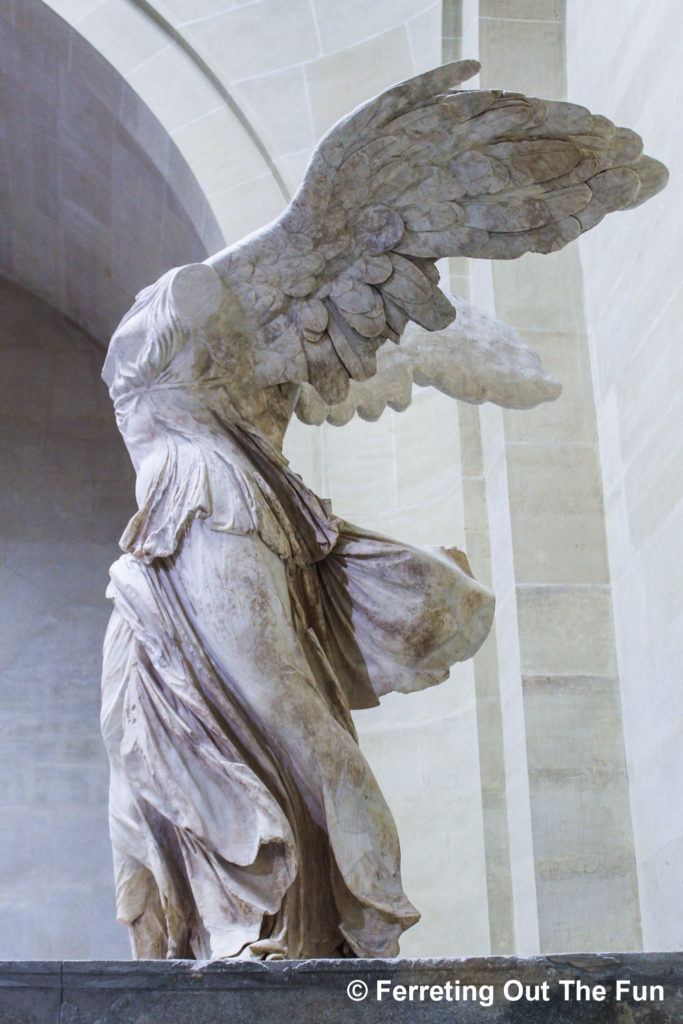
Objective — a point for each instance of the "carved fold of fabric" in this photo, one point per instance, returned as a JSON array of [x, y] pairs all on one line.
[[237, 485], [254, 837], [396, 616], [178, 492], [186, 799]]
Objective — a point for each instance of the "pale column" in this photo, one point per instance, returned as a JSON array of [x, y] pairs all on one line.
[[460, 29], [559, 684], [502, 729]]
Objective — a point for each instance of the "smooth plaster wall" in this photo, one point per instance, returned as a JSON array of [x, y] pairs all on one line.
[[67, 492], [628, 56]]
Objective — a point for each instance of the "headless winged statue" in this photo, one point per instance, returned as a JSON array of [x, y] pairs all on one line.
[[248, 619]]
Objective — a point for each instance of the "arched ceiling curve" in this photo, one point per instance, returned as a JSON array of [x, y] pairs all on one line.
[[95, 200], [245, 89]]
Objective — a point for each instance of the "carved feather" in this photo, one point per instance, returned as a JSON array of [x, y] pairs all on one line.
[[475, 359], [423, 171]]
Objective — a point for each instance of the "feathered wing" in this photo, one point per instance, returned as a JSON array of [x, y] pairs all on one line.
[[476, 358], [423, 171]]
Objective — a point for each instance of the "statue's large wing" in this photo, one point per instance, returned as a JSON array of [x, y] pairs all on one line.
[[421, 172], [476, 358]]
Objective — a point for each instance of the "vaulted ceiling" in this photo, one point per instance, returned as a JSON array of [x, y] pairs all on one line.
[[95, 199], [245, 89]]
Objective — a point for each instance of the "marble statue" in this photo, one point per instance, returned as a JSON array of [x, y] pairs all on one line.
[[249, 620]]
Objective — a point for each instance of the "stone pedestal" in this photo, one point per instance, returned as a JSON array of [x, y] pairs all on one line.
[[631, 988]]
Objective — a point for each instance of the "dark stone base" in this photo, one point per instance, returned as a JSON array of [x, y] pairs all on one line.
[[620, 988]]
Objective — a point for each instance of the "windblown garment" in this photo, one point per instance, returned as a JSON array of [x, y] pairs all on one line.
[[248, 622]]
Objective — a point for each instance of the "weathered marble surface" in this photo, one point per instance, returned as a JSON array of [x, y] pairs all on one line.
[[81, 992], [249, 620]]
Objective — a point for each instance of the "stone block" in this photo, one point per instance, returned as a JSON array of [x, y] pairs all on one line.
[[36, 252], [503, 47], [122, 34], [182, 185], [573, 726], [360, 469], [86, 127], [469, 429], [339, 82], [566, 630], [571, 417], [30, 992], [267, 35], [451, 22], [243, 208], [587, 909], [478, 539], [435, 779], [523, 10], [292, 167], [662, 584], [278, 105], [426, 449], [654, 478], [218, 167], [332, 992], [73, 919], [172, 85], [424, 33], [343, 26], [556, 514], [581, 827], [51, 37], [302, 448], [209, 230], [182, 11], [438, 521], [179, 245], [658, 879], [87, 65], [540, 292], [651, 380], [73, 10]]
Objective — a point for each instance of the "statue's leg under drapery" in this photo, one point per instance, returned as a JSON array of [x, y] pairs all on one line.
[[239, 596], [222, 709]]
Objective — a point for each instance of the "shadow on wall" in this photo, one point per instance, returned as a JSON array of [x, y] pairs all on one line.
[[66, 495], [95, 203]]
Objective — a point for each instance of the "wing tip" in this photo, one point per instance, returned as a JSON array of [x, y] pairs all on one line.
[[463, 70]]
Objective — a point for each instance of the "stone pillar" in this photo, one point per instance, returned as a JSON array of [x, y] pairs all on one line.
[[460, 29], [567, 788]]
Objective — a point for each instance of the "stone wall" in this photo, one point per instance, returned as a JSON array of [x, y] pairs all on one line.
[[571, 848], [626, 57], [67, 491], [95, 200]]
